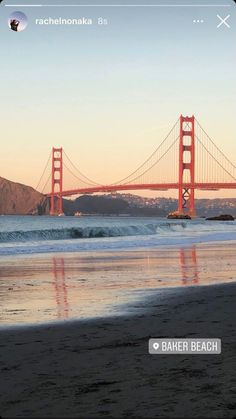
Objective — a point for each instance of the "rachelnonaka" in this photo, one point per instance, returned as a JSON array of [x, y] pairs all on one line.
[[61, 21]]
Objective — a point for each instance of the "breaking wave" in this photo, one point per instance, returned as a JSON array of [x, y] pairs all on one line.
[[86, 232]]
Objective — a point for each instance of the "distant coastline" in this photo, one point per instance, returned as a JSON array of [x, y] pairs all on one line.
[[19, 199]]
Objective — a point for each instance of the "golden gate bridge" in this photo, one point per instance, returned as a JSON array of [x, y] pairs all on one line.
[[186, 160]]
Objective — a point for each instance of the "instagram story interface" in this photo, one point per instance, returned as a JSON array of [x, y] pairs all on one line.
[[117, 208]]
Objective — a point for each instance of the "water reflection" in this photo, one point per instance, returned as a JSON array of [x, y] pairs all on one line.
[[49, 287], [60, 287], [188, 265], [94, 278]]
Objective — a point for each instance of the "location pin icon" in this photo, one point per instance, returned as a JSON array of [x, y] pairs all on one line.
[[156, 346]]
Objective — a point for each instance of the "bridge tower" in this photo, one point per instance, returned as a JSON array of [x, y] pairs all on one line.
[[186, 165], [57, 175]]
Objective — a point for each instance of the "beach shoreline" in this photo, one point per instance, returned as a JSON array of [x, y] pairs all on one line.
[[101, 367]]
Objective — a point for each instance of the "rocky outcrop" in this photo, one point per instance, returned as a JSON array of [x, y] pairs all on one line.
[[222, 217], [18, 199], [178, 216]]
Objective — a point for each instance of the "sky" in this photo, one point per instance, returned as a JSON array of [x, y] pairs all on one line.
[[110, 93]]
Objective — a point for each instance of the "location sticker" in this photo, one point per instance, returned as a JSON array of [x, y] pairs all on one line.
[[155, 346]]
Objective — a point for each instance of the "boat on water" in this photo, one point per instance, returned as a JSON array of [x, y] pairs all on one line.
[[77, 214]]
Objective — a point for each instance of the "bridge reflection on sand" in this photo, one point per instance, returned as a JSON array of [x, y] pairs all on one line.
[[60, 287], [152, 275], [188, 264], [48, 287]]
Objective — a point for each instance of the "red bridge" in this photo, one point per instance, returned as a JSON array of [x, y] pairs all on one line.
[[186, 160]]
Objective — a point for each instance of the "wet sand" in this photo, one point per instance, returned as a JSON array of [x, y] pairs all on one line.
[[101, 367], [42, 288]]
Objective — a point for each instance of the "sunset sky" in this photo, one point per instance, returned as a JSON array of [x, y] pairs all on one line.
[[109, 94]]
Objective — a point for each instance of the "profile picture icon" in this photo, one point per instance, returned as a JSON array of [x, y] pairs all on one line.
[[17, 21]]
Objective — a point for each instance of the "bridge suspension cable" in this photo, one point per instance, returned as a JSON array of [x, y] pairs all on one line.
[[44, 171], [126, 180], [87, 181], [156, 162], [77, 177], [212, 142], [214, 158], [46, 183], [212, 164]]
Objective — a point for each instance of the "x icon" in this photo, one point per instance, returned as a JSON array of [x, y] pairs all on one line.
[[223, 21]]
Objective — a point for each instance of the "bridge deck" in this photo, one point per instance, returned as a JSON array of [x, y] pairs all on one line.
[[153, 187]]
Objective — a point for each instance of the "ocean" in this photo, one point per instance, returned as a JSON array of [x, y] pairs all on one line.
[[64, 268], [32, 235]]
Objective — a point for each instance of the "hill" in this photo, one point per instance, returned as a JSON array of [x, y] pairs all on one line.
[[18, 199]]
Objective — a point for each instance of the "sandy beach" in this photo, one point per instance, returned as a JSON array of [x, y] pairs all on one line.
[[101, 367]]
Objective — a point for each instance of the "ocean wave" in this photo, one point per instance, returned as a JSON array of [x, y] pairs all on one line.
[[86, 232], [113, 244]]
